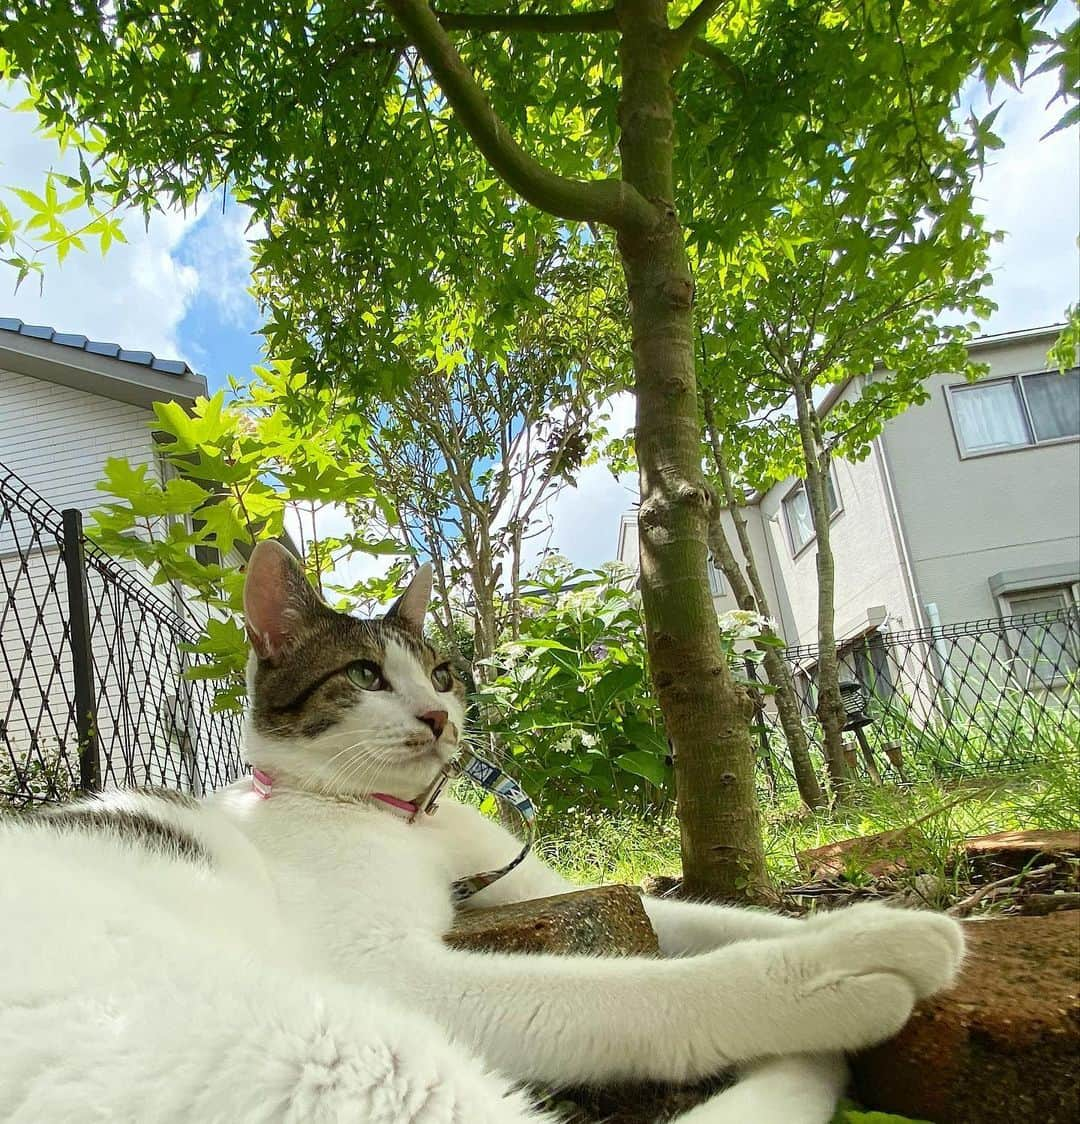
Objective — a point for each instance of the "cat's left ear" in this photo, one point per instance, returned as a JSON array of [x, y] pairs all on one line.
[[409, 609]]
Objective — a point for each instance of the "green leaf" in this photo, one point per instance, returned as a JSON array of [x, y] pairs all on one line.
[[644, 764]]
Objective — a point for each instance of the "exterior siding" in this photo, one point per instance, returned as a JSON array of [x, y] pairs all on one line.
[[58, 439], [779, 605], [869, 567], [968, 519]]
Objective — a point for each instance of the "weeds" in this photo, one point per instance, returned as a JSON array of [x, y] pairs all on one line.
[[935, 816]]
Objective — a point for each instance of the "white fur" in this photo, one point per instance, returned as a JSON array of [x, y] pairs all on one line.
[[302, 976]]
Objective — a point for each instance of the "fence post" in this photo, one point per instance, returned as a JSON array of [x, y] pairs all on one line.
[[82, 657]]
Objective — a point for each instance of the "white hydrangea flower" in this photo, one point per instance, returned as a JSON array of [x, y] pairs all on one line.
[[744, 624]]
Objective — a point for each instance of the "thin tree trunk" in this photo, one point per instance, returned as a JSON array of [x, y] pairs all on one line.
[[706, 713], [830, 706], [515, 582], [776, 667]]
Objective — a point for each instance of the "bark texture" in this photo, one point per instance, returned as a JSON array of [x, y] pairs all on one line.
[[750, 594], [830, 707], [707, 714]]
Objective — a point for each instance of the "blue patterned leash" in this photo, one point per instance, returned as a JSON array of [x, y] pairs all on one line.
[[507, 791]]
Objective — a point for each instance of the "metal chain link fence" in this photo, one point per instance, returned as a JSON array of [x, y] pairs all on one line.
[[988, 696], [93, 686]]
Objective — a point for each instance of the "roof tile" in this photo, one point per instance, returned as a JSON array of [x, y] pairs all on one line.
[[94, 347]]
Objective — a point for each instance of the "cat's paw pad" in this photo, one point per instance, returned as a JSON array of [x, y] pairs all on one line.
[[923, 948]]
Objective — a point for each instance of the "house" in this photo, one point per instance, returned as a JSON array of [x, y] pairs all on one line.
[[67, 403], [967, 508]]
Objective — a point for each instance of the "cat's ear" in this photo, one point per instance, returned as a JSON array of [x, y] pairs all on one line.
[[409, 609], [279, 604]]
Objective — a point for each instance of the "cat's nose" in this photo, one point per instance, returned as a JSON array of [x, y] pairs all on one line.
[[435, 720]]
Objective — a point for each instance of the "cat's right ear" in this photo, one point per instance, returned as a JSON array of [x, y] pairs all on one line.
[[278, 601]]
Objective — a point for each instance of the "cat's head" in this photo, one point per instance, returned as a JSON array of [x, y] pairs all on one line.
[[343, 705]]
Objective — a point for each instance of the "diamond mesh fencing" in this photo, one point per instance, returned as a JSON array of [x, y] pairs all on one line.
[[971, 699], [94, 684]]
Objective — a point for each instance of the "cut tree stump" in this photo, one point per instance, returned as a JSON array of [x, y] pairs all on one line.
[[1003, 1047], [1006, 852], [603, 921]]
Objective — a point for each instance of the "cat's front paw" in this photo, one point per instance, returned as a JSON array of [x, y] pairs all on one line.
[[925, 949]]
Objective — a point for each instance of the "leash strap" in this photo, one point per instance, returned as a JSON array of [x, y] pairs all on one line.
[[506, 790], [482, 773]]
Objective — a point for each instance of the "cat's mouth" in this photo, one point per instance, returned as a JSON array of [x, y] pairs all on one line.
[[418, 749], [424, 745]]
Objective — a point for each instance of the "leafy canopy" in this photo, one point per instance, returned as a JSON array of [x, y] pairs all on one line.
[[233, 470], [322, 119]]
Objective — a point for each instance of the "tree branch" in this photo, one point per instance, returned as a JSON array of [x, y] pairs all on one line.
[[608, 201], [732, 71], [555, 23], [540, 22], [683, 37]]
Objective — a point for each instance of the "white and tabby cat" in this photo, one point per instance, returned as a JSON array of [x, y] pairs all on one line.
[[279, 957]]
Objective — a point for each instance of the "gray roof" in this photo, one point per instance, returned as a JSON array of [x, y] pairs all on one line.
[[94, 367], [94, 347]]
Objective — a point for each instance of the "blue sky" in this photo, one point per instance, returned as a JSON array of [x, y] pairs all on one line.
[[220, 323], [179, 288]]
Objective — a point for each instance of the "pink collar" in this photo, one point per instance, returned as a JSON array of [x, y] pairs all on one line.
[[263, 784]]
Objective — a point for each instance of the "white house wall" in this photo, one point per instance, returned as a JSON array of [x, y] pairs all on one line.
[[779, 604], [869, 566], [967, 520], [58, 439]]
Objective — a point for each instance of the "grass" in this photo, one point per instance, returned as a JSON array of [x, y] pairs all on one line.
[[939, 814]]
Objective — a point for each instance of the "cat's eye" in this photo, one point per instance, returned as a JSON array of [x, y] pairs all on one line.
[[442, 678], [366, 675]]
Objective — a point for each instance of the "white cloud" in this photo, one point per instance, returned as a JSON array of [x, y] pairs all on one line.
[[332, 521], [1032, 192], [135, 295], [585, 519], [217, 249]]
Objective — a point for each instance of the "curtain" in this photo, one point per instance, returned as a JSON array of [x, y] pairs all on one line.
[[990, 417], [800, 522], [1054, 401]]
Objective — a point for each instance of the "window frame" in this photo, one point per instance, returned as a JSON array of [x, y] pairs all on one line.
[[1017, 381], [1069, 593], [1070, 598], [797, 550]]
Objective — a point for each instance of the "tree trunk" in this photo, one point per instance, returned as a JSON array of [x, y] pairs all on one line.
[[776, 667], [706, 713], [830, 706]]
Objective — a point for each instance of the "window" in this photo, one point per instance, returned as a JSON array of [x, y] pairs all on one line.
[[1017, 412], [800, 523], [716, 579], [1039, 600], [1046, 651]]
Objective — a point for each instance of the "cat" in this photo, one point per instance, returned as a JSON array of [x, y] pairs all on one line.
[[275, 952]]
